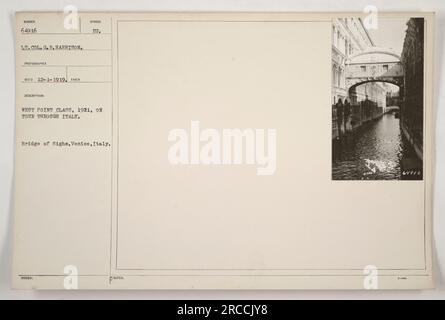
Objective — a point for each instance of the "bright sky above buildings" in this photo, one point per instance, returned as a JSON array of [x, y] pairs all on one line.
[[390, 34]]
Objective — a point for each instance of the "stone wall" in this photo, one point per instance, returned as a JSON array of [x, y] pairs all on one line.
[[346, 117], [412, 106]]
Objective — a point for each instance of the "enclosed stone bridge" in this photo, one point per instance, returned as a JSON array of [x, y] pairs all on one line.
[[374, 65], [392, 108]]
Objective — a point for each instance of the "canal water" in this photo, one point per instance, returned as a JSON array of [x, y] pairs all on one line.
[[376, 151]]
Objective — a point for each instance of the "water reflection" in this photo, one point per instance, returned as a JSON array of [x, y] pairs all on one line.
[[376, 151]]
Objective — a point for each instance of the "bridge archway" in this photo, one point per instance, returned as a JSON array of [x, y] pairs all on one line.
[[374, 65], [354, 95], [366, 103]]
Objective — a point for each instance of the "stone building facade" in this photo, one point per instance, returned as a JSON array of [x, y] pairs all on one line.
[[349, 37], [411, 112], [350, 108]]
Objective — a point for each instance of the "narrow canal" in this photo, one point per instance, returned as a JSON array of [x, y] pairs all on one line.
[[376, 151]]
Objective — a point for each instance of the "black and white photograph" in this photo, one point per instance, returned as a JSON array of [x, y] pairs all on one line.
[[377, 99], [184, 153]]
